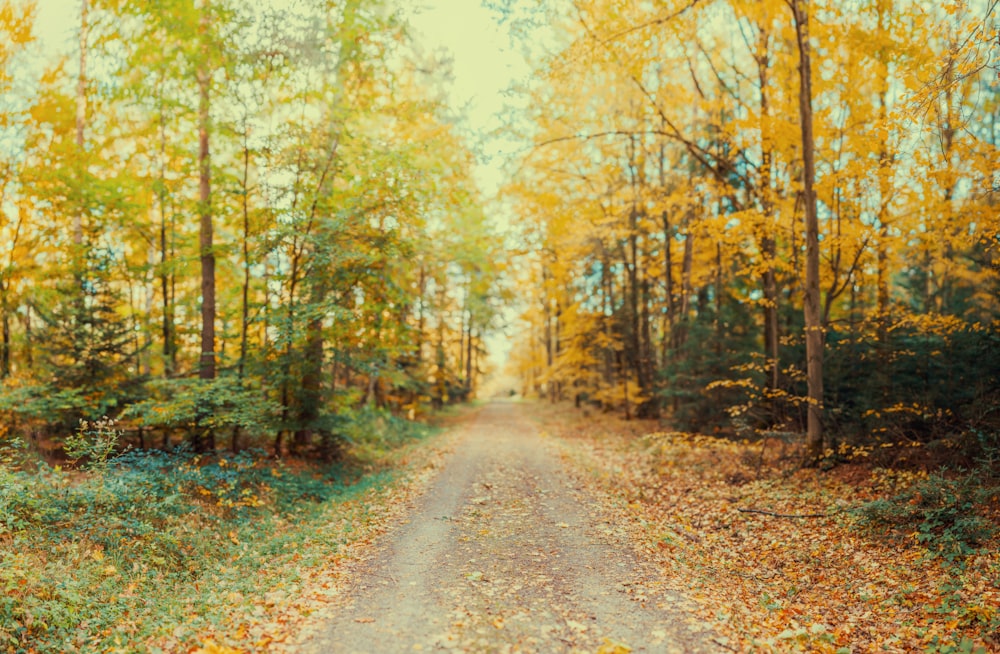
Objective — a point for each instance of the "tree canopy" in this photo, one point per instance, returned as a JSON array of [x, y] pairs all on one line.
[[758, 215], [239, 219]]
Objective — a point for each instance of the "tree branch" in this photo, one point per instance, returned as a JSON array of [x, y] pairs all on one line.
[[788, 515], [656, 21]]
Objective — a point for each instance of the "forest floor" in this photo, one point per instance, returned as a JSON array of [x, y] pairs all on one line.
[[781, 558], [521, 527], [544, 528], [506, 553]]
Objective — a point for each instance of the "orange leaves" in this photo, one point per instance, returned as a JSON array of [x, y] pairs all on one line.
[[782, 584], [209, 647]]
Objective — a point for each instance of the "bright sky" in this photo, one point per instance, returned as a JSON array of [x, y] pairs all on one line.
[[484, 66]]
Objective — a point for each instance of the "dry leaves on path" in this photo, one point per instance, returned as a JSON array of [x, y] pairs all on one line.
[[505, 554]]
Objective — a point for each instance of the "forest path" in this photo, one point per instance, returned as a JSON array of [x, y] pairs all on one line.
[[506, 553]]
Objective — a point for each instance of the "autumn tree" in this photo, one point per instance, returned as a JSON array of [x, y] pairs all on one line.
[[748, 257]]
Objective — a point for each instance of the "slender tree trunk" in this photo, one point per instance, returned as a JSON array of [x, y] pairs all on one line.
[[286, 380], [812, 308], [419, 346], [149, 291], [441, 359], [312, 391], [686, 290], [606, 319], [5, 343], [245, 290], [29, 339], [650, 407], [668, 265], [475, 353], [468, 361], [549, 346], [207, 360], [883, 308], [81, 122], [719, 290], [768, 245], [461, 333]]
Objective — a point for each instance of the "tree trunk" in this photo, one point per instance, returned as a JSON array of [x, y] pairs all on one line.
[[419, 345], [670, 316], [768, 245], [81, 123], [883, 307], [812, 309], [29, 340], [245, 290], [719, 290], [550, 352], [468, 360], [441, 359], [5, 343], [312, 392], [461, 334], [686, 290], [606, 319], [207, 360]]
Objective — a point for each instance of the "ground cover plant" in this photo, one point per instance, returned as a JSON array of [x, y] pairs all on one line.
[[862, 557], [171, 551]]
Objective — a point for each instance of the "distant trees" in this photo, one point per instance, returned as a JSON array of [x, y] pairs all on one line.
[[269, 217], [770, 215]]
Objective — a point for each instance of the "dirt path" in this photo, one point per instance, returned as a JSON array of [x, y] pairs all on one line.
[[505, 554]]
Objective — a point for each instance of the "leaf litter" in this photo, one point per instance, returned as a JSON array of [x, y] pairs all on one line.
[[527, 562], [767, 581]]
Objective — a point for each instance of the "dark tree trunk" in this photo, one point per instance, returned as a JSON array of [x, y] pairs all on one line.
[[245, 290], [5, 344], [206, 369]]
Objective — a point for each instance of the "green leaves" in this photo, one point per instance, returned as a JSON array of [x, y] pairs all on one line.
[[199, 404]]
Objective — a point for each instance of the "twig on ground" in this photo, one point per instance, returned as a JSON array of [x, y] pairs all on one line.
[[789, 515]]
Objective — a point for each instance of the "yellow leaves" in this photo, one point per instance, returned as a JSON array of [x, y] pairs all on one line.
[[210, 647], [15, 28], [611, 647], [980, 613]]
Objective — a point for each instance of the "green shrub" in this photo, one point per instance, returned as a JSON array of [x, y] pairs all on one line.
[[370, 432], [946, 513]]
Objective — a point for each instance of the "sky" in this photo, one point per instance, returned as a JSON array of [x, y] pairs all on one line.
[[485, 64]]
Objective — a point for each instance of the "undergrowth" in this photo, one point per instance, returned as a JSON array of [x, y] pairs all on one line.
[[159, 547], [945, 514]]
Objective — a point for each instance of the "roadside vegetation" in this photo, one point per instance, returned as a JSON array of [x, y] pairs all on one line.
[[174, 550]]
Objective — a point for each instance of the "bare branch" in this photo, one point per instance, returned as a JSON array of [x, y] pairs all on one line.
[[789, 515]]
